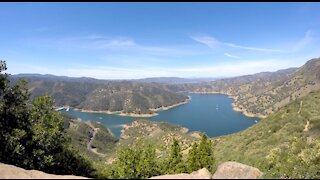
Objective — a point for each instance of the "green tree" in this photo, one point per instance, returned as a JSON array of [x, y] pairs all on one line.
[[48, 136], [174, 163], [148, 165], [15, 127], [193, 162], [205, 152], [135, 163], [201, 156], [32, 135]]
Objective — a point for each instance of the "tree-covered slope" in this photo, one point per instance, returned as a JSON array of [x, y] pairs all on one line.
[[286, 144], [80, 133], [103, 95]]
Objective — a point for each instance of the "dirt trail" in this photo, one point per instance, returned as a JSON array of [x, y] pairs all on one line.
[[89, 145], [300, 107], [306, 127]]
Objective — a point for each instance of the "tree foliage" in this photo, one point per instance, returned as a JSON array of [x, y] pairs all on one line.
[[15, 127], [32, 135], [135, 163], [174, 163], [201, 156]]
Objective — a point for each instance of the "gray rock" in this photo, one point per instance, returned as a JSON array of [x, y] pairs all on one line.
[[235, 170]]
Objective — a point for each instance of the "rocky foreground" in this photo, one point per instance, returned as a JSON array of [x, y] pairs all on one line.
[[227, 170], [13, 172]]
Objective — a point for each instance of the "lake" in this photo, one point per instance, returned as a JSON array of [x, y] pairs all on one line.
[[210, 113]]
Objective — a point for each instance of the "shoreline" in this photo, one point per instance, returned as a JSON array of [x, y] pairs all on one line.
[[234, 106], [162, 108], [121, 113], [246, 113]]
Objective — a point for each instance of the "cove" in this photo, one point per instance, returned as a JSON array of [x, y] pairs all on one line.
[[209, 113]]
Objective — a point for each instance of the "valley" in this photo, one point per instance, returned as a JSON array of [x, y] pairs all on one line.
[[291, 123], [145, 90]]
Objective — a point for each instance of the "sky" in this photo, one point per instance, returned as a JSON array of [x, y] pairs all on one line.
[[138, 40]]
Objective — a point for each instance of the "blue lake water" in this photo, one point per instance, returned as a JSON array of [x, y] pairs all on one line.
[[210, 113]]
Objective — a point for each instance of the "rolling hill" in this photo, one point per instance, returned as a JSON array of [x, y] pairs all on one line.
[[263, 93], [284, 145], [128, 97]]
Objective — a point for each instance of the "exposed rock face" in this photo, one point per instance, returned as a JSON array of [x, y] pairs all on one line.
[[200, 174], [227, 170], [13, 172], [234, 170]]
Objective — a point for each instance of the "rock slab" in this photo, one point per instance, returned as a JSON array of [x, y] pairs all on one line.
[[200, 174], [13, 172], [235, 170]]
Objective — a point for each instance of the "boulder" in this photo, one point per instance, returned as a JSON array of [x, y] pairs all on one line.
[[235, 170], [200, 174], [13, 172]]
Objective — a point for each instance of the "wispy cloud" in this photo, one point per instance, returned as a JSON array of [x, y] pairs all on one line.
[[95, 42], [253, 48], [214, 43], [307, 39], [231, 56], [207, 40], [102, 43]]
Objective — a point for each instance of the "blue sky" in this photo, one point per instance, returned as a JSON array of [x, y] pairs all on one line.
[[137, 40]]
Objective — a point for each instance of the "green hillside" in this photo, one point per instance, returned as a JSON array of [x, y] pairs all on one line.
[[286, 144], [264, 93], [80, 133]]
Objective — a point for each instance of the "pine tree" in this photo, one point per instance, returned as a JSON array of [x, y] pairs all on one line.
[[201, 156], [174, 163], [193, 162], [125, 167], [148, 165], [205, 152]]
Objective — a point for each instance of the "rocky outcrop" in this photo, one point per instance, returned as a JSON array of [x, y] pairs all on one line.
[[200, 174], [13, 172], [227, 170], [235, 170]]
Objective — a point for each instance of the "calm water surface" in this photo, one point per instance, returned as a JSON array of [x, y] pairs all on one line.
[[210, 113]]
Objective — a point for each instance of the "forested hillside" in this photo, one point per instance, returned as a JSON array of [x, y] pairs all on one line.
[[103, 95]]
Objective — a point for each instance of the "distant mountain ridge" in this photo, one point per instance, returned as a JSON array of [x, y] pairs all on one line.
[[126, 97], [256, 95], [263, 93], [161, 80], [174, 80]]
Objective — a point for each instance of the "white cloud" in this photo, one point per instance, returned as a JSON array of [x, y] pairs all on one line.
[[95, 42], [214, 43], [207, 40], [308, 38], [253, 48], [231, 56]]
